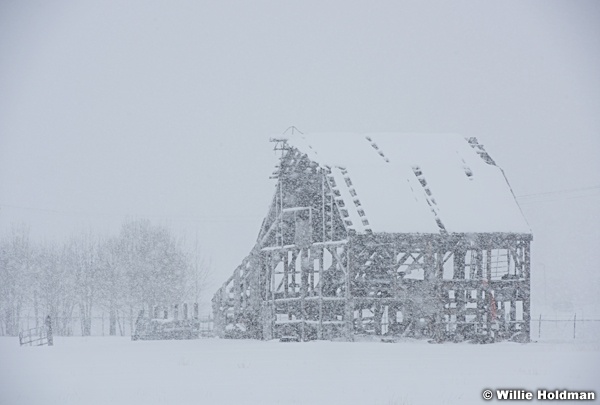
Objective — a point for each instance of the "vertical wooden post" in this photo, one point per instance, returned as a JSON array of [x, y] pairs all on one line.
[[488, 292], [266, 313], [378, 318], [459, 290], [331, 206], [441, 295], [286, 280], [49, 331], [526, 289], [431, 288], [321, 280], [323, 205], [273, 287], [488, 265], [293, 269], [311, 272], [479, 260], [304, 268], [290, 267], [513, 314], [359, 321], [280, 216], [349, 304], [459, 263]]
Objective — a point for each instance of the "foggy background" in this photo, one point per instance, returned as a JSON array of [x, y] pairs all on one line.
[[163, 110]]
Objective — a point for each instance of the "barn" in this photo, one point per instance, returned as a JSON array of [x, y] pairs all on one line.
[[383, 234]]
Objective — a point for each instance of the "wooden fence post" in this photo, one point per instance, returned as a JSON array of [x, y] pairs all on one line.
[[49, 331]]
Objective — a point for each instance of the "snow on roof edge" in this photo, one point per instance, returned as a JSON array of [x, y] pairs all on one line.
[[342, 149]]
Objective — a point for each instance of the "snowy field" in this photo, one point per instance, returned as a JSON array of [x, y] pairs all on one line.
[[115, 370]]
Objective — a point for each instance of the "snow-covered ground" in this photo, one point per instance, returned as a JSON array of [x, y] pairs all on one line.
[[115, 370]]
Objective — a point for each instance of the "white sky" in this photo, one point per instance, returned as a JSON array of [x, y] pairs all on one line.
[[163, 110]]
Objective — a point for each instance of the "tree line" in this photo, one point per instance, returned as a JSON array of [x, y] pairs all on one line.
[[142, 267]]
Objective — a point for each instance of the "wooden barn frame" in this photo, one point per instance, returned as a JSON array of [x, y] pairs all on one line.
[[322, 269]]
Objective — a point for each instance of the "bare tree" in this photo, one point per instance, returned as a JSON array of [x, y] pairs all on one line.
[[144, 266], [112, 286], [15, 266], [155, 264], [197, 275], [53, 286], [85, 263]]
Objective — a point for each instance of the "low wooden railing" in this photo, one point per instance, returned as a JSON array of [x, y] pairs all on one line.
[[38, 336]]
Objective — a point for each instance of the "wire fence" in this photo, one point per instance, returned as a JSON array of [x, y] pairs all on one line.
[[543, 329]]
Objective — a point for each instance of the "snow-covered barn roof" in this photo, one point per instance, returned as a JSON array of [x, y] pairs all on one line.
[[415, 183]]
